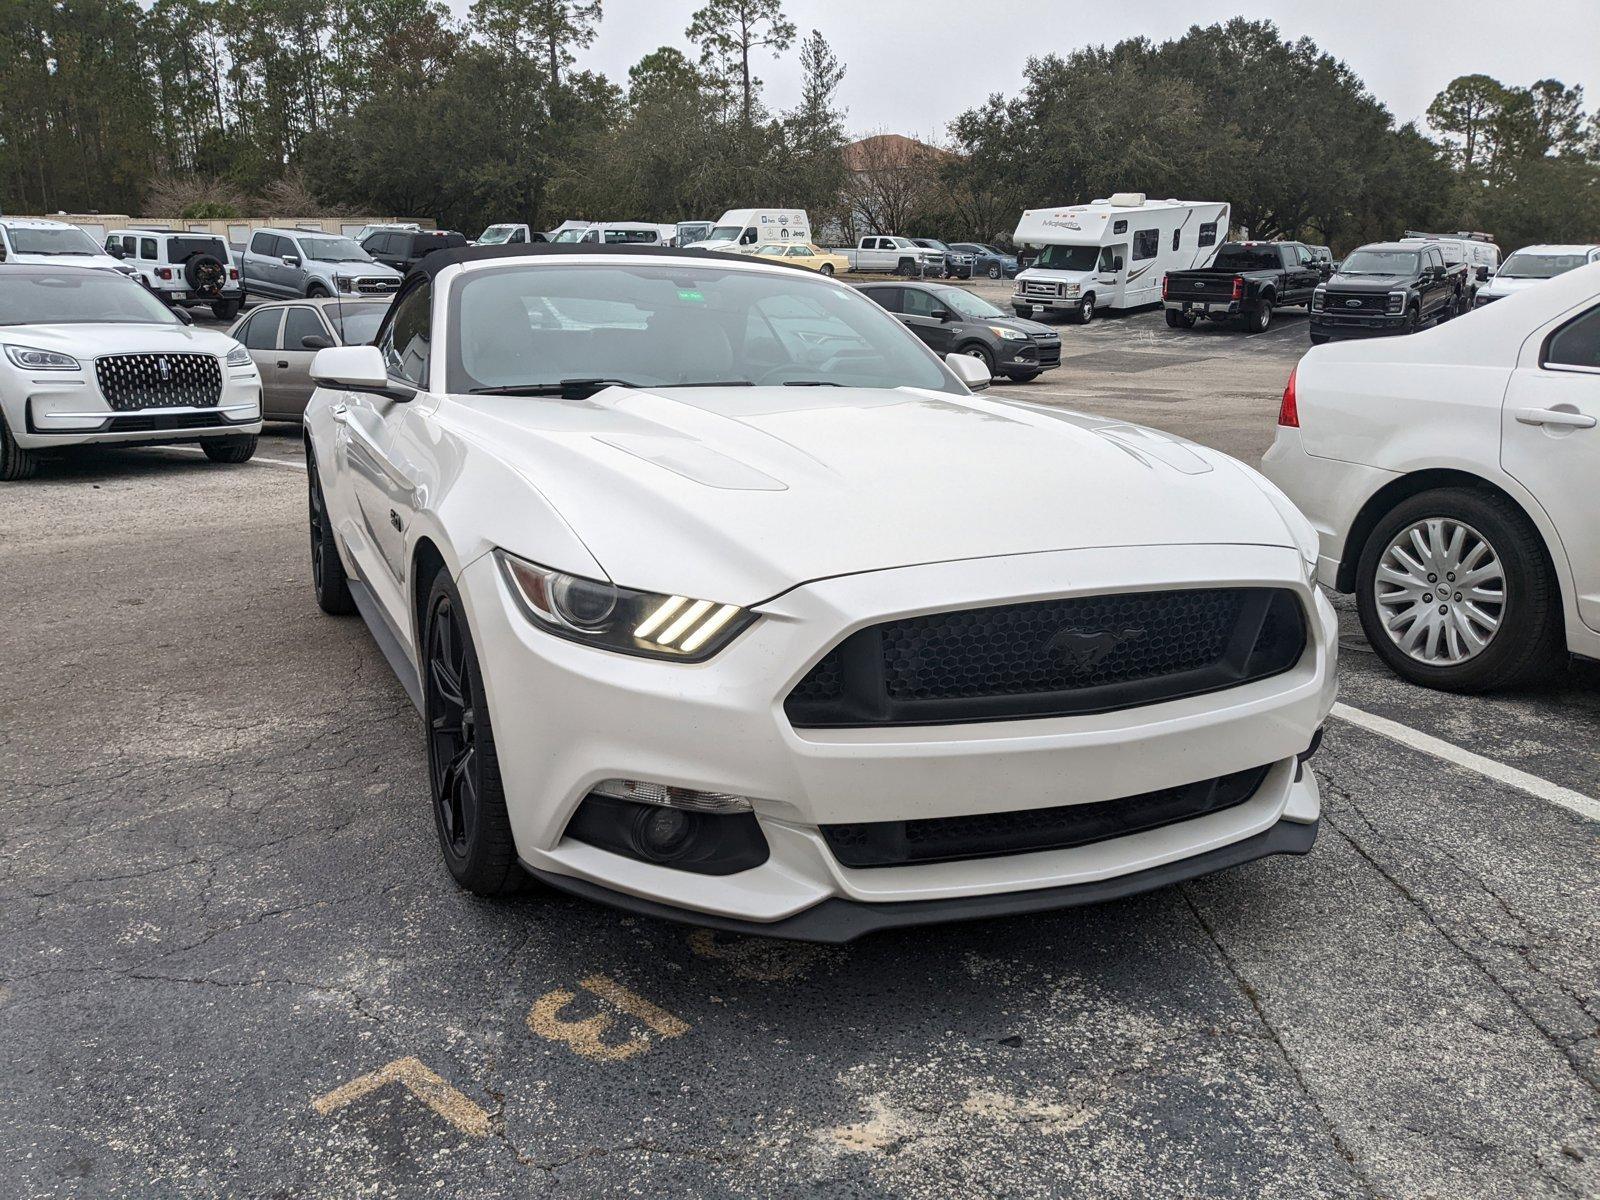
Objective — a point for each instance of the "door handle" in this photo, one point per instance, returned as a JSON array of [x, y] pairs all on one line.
[[282, 363], [1555, 416]]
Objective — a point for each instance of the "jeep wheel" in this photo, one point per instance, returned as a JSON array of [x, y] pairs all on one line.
[[1455, 591], [15, 462], [469, 802], [230, 449]]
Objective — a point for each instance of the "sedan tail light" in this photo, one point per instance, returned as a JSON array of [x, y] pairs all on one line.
[[1289, 410]]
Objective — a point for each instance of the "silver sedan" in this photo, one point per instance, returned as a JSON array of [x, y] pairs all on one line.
[[284, 335]]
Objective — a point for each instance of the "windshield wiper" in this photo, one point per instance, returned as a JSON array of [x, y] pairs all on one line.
[[810, 383], [569, 389]]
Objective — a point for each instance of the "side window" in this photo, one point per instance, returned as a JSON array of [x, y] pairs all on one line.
[[261, 243], [888, 297], [1119, 227], [1177, 235], [748, 238], [1208, 234], [1146, 244], [1577, 343], [261, 331], [801, 252], [405, 346], [918, 303], [302, 322], [288, 246], [147, 248]]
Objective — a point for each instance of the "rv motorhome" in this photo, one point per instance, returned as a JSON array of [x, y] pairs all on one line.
[[1113, 253]]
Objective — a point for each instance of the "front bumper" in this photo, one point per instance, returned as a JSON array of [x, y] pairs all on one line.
[[68, 410], [720, 726], [1337, 325], [1048, 303], [1031, 355]]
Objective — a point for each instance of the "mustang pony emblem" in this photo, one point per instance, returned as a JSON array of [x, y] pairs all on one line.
[[1085, 649]]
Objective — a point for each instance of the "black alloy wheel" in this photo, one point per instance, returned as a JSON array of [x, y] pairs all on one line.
[[328, 579], [469, 806]]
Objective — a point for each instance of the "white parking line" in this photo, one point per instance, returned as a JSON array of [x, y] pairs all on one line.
[[265, 462], [1554, 793]]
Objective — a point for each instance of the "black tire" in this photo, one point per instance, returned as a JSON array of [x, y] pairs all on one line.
[[230, 449], [1318, 339], [16, 463], [907, 267], [1259, 318], [226, 310], [1084, 313], [316, 290], [204, 273], [1529, 641], [980, 352], [1413, 318], [1024, 376], [464, 786], [328, 578], [825, 269], [1179, 320], [994, 271]]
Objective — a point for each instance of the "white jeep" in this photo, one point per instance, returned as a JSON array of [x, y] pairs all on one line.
[[183, 268]]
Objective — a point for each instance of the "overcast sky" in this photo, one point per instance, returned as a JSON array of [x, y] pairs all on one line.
[[915, 64]]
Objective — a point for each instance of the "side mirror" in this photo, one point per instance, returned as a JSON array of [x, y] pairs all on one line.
[[291, 260], [942, 314], [969, 370], [1483, 274], [115, 250], [315, 341], [355, 369]]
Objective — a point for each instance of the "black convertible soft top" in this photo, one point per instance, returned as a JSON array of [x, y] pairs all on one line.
[[440, 259]]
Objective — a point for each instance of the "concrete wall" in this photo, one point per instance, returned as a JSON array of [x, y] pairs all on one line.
[[237, 229]]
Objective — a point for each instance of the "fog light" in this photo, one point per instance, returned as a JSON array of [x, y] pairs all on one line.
[[705, 843], [661, 833], [643, 792]]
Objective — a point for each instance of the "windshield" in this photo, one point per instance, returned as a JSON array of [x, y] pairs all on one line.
[[932, 244], [725, 233], [1523, 265], [570, 235], [528, 326], [51, 241], [357, 324], [965, 304], [496, 235], [1068, 258], [73, 298], [333, 249], [1248, 258], [773, 251], [1380, 262]]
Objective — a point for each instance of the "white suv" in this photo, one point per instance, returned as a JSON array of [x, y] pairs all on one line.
[[1450, 476], [92, 357], [28, 241], [185, 268]]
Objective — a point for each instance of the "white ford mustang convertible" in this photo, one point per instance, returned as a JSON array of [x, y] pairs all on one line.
[[725, 600]]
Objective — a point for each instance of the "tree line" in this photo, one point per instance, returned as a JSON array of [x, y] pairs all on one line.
[[215, 108]]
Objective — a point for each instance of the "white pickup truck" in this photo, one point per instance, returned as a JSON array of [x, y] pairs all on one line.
[[898, 255]]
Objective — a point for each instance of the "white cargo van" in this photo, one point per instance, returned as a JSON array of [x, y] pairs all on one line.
[[746, 230], [612, 233], [1113, 253]]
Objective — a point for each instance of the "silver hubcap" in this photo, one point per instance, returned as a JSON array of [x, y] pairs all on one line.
[[1440, 591]]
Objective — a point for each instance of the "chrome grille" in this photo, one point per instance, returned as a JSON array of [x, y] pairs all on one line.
[[377, 285], [130, 382], [1040, 287]]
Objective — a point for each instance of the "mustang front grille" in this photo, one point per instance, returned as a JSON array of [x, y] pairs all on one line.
[[1051, 658], [989, 835], [130, 382]]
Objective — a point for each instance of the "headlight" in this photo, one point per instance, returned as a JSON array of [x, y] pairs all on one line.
[[345, 282], [1397, 303], [1319, 299], [240, 357], [1071, 289], [30, 359], [617, 618], [1008, 335]]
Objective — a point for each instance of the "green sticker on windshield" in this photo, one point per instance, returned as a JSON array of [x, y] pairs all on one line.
[[691, 294]]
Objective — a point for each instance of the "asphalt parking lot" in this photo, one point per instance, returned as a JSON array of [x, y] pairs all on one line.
[[231, 963]]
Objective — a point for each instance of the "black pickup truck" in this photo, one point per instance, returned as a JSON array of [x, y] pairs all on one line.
[[1387, 288], [1245, 283]]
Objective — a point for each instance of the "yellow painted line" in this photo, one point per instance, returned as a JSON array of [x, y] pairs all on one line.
[[424, 1084], [586, 1036]]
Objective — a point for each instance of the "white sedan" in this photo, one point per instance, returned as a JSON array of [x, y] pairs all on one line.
[[91, 357], [1451, 477], [725, 600]]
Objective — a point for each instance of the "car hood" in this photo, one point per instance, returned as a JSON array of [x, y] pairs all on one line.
[[381, 270], [1505, 287], [92, 339], [738, 494], [98, 262], [1034, 329], [1369, 283]]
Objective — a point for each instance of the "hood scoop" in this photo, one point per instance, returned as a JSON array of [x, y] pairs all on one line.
[[694, 461]]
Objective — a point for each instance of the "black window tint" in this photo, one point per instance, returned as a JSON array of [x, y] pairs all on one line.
[[261, 331], [147, 248], [1119, 227], [1577, 343], [1208, 234], [889, 297], [261, 243], [1146, 244], [301, 322], [405, 347]]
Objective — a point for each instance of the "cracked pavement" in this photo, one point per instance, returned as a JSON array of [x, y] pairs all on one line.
[[222, 900]]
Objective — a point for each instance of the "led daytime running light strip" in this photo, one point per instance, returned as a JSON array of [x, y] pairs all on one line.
[[695, 624]]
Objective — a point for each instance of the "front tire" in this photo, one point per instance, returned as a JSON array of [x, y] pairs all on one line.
[[1024, 376], [469, 803], [981, 353], [315, 291], [1025, 312], [1319, 339], [1084, 313], [16, 463], [328, 578], [994, 271], [1455, 592], [825, 269], [230, 449]]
